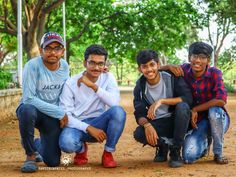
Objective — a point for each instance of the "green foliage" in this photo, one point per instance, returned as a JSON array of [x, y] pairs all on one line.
[[230, 75], [125, 29], [7, 47], [230, 87], [174, 60], [227, 59], [227, 63], [5, 79], [216, 13], [122, 28], [232, 10]]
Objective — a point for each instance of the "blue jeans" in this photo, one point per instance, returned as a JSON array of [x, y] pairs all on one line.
[[29, 118], [196, 141], [111, 122]]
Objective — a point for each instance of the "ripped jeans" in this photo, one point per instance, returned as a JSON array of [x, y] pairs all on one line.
[[196, 140]]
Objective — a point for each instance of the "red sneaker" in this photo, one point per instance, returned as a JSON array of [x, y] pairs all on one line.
[[81, 158], [107, 160]]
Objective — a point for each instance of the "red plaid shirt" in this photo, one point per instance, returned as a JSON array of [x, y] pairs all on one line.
[[205, 88]]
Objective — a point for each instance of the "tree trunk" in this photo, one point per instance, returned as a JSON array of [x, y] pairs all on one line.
[[31, 45], [117, 73], [121, 72], [68, 52]]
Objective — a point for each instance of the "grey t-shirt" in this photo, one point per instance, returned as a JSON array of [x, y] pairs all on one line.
[[156, 92]]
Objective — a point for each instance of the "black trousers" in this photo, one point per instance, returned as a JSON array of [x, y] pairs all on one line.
[[174, 127]]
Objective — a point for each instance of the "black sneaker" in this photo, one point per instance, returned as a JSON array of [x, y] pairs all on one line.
[[161, 153], [175, 158]]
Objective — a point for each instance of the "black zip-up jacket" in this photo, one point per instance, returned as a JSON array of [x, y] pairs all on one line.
[[177, 84]]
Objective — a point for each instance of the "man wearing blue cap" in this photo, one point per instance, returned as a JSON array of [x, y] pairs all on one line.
[[43, 79], [210, 119]]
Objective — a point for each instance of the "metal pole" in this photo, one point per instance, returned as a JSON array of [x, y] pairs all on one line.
[[19, 41], [213, 56], [64, 27]]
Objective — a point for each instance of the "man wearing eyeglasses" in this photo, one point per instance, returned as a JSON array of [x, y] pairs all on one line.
[[91, 101], [210, 119], [43, 79]]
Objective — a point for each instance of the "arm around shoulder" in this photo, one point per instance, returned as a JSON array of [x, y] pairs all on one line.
[[181, 89]]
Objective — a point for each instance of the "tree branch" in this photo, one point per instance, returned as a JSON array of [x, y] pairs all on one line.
[[14, 7], [217, 37], [8, 31], [8, 23], [28, 15], [34, 21], [72, 39], [3, 56], [209, 31], [209, 35], [109, 17], [53, 5]]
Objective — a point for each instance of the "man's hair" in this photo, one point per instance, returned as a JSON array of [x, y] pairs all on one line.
[[144, 56], [200, 48], [95, 49]]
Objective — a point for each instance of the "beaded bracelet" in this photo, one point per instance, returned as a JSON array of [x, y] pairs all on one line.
[[147, 125]]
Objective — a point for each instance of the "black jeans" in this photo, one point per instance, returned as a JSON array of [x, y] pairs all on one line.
[[174, 127], [49, 128]]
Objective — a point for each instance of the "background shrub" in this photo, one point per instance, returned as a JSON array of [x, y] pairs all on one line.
[[5, 79]]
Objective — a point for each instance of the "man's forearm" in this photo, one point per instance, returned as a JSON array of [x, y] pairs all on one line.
[[164, 67], [171, 101], [209, 104]]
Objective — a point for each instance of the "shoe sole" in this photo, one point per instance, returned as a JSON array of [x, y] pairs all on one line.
[[176, 165]]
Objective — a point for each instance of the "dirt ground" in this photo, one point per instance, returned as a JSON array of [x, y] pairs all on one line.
[[134, 160]]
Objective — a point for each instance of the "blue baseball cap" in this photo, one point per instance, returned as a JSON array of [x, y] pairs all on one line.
[[50, 37]]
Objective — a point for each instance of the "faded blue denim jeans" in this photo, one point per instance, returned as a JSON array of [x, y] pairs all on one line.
[[111, 122], [196, 141]]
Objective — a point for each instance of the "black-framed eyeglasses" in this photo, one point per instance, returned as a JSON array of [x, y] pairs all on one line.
[[49, 49], [93, 63], [200, 56]]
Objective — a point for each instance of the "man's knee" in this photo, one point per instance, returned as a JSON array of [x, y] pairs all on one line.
[[182, 107], [69, 145], [27, 113], [190, 150], [119, 113], [215, 112], [139, 134], [195, 145], [182, 111], [52, 161]]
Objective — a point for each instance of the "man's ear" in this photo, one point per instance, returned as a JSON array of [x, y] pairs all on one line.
[[85, 63], [209, 61], [40, 50], [139, 69], [158, 64], [63, 52]]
